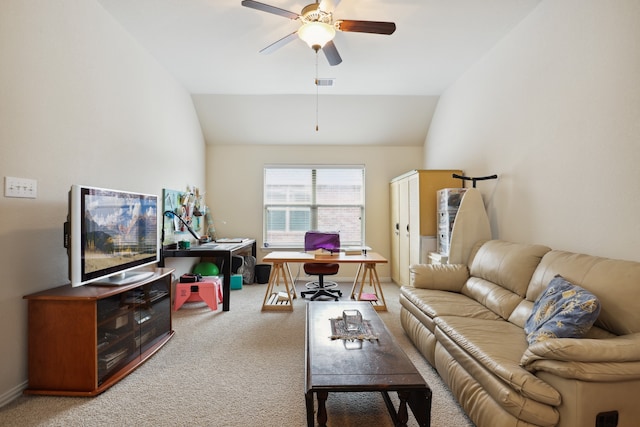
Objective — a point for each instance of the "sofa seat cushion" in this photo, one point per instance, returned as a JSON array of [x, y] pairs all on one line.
[[436, 303], [497, 346]]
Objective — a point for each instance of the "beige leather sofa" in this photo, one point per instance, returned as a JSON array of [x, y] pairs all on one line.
[[468, 323]]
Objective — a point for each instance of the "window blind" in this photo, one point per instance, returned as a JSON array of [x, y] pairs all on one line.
[[313, 197]]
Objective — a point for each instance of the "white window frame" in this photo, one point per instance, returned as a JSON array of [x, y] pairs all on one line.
[[353, 234]]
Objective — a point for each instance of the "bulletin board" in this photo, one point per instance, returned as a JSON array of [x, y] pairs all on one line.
[[181, 203]]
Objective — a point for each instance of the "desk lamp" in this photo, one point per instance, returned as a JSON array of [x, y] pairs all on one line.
[[189, 229]]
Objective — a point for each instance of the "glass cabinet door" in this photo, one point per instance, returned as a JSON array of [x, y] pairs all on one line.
[[152, 314], [116, 332]]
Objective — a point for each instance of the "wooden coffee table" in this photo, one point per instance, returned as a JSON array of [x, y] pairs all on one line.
[[346, 366]]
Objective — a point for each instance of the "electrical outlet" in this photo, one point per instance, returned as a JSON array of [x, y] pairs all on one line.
[[607, 419], [20, 187]]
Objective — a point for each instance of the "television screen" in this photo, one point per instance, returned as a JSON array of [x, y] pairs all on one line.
[[109, 233]]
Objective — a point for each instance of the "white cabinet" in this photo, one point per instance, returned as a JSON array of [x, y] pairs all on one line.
[[414, 218]]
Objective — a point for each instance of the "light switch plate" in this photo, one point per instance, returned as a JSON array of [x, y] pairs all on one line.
[[20, 187]]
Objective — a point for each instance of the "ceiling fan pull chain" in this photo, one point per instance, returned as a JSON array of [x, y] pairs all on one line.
[[317, 108]]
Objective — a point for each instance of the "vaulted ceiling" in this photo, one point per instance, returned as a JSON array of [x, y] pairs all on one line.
[[384, 92]]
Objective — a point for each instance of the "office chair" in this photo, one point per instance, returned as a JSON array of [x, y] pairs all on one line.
[[318, 240]]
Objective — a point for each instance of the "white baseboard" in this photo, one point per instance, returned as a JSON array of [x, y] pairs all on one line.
[[13, 393]]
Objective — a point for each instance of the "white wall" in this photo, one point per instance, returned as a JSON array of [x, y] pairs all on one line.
[[80, 102], [554, 110], [234, 185]]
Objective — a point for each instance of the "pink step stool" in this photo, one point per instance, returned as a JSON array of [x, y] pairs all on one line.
[[209, 292]]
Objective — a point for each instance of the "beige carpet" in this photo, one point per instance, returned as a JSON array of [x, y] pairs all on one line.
[[239, 368]]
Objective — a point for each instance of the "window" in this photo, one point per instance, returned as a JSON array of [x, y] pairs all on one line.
[[302, 198]]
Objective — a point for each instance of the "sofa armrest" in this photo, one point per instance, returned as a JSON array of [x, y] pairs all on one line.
[[625, 348], [609, 359], [444, 277]]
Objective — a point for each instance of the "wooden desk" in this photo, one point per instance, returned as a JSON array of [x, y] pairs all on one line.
[[366, 273], [215, 250]]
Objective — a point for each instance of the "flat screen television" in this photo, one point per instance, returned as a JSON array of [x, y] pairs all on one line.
[[108, 233]]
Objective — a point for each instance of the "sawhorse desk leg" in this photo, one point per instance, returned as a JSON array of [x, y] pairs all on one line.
[[279, 301], [355, 282], [376, 297], [293, 282]]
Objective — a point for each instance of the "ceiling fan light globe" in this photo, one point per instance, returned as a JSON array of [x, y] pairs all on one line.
[[316, 34]]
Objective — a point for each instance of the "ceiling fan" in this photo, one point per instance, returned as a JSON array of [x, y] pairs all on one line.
[[319, 28]]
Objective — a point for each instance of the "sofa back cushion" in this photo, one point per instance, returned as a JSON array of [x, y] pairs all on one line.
[[500, 274], [615, 283]]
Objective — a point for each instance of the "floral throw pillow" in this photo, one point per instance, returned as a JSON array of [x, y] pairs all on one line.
[[563, 310]]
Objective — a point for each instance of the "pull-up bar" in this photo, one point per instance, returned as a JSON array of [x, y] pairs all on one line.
[[474, 179]]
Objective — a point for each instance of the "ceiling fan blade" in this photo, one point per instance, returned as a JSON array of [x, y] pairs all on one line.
[[270, 9], [283, 41], [374, 27], [331, 53]]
